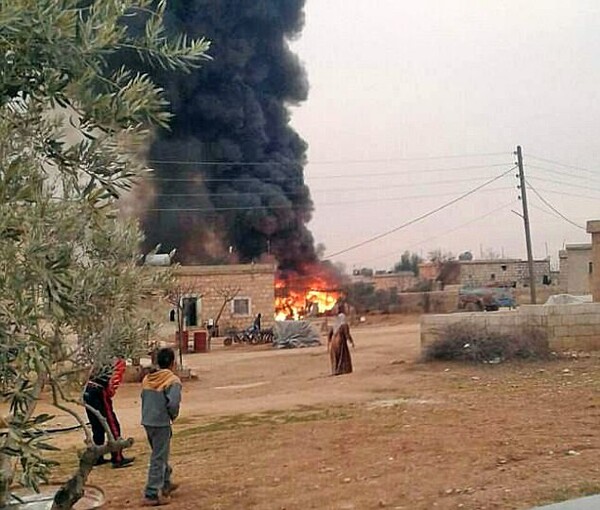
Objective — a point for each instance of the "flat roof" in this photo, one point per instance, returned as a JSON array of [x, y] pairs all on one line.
[[502, 261], [225, 269], [578, 246]]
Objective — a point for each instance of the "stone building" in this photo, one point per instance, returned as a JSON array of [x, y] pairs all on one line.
[[401, 281], [429, 270], [575, 269], [203, 289], [593, 227], [513, 272]]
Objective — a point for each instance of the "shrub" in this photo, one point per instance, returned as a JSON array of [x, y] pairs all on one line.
[[466, 342]]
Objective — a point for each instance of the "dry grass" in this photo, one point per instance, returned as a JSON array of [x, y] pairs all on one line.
[[466, 342]]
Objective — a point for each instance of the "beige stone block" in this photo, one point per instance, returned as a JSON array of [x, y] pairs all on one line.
[[588, 330], [592, 318], [580, 309], [532, 310], [533, 320], [562, 331], [555, 320], [575, 343]]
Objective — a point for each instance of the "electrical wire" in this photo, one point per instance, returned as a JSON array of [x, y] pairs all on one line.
[[550, 206], [322, 204], [565, 165], [546, 211], [454, 229], [325, 190], [563, 183], [421, 217], [562, 193], [200, 179], [553, 171], [322, 162]]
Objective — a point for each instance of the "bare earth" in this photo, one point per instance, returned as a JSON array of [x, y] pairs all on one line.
[[264, 429]]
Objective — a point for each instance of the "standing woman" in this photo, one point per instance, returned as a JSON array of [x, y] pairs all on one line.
[[337, 344]]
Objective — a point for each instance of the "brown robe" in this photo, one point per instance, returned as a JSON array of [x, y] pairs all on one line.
[[339, 351]]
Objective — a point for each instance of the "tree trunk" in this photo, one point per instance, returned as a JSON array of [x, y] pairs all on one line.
[[73, 490], [180, 334], [6, 478], [7, 463]]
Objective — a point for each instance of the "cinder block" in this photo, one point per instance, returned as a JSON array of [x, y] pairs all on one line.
[[584, 308], [587, 330], [533, 320], [562, 331], [554, 320], [592, 318], [533, 310], [575, 343]]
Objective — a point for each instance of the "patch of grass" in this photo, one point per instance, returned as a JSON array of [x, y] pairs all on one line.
[[240, 421], [466, 342], [578, 491], [383, 390]]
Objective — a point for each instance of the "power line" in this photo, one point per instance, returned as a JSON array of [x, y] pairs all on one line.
[[458, 227], [322, 204], [549, 205], [321, 162], [563, 183], [565, 165], [553, 171], [546, 211], [325, 190], [575, 195], [200, 179], [422, 217]]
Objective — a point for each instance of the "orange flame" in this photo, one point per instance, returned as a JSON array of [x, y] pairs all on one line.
[[304, 297]]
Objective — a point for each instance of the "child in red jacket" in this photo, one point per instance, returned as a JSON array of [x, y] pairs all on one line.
[[99, 392]]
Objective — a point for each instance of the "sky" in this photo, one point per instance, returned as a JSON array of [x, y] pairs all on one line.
[[398, 86]]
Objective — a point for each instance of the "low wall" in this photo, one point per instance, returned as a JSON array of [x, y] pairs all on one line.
[[426, 302], [569, 327], [543, 292]]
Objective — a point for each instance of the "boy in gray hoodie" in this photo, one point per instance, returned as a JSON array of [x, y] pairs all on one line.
[[161, 397]]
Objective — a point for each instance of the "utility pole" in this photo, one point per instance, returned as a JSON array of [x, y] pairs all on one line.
[[523, 188]]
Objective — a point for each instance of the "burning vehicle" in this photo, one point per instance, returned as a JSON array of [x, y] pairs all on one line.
[[313, 292]]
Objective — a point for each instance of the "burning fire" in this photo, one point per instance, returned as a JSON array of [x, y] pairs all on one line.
[[297, 297]]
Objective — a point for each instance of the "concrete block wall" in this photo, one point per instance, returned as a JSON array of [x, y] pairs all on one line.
[[479, 272], [255, 281], [573, 327], [428, 302]]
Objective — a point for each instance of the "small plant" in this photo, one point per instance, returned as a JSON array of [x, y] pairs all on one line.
[[466, 342]]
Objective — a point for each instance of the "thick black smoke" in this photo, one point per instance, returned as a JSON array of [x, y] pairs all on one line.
[[231, 149]]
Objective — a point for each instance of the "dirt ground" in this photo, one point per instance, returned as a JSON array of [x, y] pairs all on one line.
[[264, 429]]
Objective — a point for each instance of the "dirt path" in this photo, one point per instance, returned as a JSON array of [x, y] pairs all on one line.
[[265, 429]]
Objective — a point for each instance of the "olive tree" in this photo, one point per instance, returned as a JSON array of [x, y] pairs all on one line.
[[70, 278]]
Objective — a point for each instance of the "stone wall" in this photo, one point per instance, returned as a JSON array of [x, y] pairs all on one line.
[[427, 302], [575, 269], [569, 327], [400, 281], [542, 293], [477, 273], [255, 281]]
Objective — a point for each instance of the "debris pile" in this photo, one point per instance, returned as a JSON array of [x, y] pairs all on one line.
[[568, 299], [293, 334]]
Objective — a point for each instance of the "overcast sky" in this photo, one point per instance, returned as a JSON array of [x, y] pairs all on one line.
[[396, 80]]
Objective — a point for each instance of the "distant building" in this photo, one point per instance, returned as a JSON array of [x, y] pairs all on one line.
[[429, 270], [576, 269], [401, 281], [386, 280], [510, 272], [256, 284]]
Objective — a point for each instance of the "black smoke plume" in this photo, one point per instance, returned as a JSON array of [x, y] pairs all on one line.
[[229, 174]]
